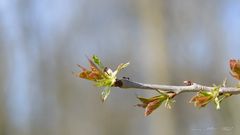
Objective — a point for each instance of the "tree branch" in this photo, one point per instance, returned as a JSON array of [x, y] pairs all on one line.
[[194, 87], [105, 77]]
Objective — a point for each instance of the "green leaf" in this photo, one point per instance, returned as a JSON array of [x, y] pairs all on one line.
[[105, 82], [215, 93], [224, 82], [169, 102], [120, 67], [205, 93], [217, 102], [105, 93], [143, 100], [97, 61]]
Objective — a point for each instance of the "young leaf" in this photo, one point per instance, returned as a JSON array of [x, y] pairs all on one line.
[[217, 102], [97, 61], [92, 74], [95, 67], [120, 67], [95, 73], [105, 93], [201, 100], [169, 102], [151, 104], [105, 82], [102, 76], [235, 68]]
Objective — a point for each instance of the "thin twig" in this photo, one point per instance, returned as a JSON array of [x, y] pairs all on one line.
[[194, 87]]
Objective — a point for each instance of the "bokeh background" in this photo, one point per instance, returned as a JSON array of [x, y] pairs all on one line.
[[166, 42]]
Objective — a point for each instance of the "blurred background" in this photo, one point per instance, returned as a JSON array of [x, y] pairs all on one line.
[[166, 42]]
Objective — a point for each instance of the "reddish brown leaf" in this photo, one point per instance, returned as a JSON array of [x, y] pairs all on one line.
[[152, 106], [94, 73], [201, 100], [235, 68], [94, 67], [83, 68]]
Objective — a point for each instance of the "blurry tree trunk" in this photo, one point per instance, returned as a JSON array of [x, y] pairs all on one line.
[[3, 76], [154, 49], [183, 26]]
